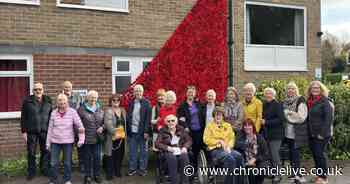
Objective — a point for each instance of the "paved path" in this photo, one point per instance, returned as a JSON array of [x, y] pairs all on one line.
[[150, 179]]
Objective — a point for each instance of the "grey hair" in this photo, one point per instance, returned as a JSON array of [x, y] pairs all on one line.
[[273, 91], [250, 86]]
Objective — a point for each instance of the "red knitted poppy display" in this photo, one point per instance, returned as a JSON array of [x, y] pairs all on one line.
[[196, 54]]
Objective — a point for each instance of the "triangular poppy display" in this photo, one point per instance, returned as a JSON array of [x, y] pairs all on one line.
[[195, 54]]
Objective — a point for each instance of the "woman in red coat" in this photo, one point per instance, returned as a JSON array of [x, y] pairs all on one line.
[[167, 109]]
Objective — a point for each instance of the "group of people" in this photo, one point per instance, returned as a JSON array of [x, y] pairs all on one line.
[[234, 133]]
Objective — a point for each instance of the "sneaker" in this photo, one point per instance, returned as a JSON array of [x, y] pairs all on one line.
[[98, 179], [131, 173], [68, 182], [30, 177], [87, 180], [142, 173]]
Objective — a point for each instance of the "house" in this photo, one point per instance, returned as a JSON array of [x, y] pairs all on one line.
[[105, 45]]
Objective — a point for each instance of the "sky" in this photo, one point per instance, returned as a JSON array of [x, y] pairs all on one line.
[[335, 18]]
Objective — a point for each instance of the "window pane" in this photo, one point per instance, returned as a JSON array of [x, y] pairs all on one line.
[[12, 92], [145, 64], [275, 26], [123, 66], [13, 65], [118, 4], [122, 83]]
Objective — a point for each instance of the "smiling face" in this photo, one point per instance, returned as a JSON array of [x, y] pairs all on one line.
[[138, 92], [92, 98], [161, 99], [62, 102], [291, 91], [191, 94], [38, 90], [315, 89], [268, 95], [248, 129], [231, 96], [171, 121], [248, 93], [210, 97], [67, 88], [218, 116], [115, 102]]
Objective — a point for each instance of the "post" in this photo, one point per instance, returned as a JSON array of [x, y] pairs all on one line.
[[230, 43]]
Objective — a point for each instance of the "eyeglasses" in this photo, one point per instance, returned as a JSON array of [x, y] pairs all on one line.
[[171, 120], [38, 89], [115, 100]]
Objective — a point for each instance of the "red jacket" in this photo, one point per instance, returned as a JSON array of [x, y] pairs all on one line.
[[164, 112]]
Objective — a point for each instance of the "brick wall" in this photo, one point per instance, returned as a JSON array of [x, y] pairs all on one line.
[[84, 71], [147, 25], [11, 142]]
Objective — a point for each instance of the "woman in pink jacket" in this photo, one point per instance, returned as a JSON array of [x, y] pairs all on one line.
[[60, 137]]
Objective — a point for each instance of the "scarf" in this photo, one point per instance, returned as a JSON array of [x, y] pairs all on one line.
[[252, 148], [290, 103], [312, 100], [231, 111]]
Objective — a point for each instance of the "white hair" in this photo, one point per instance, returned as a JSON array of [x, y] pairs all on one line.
[[138, 87], [62, 95], [91, 93], [170, 95], [273, 91], [212, 92], [250, 86]]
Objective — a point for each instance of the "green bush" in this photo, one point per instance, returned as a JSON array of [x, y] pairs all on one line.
[[333, 78], [13, 167], [339, 148]]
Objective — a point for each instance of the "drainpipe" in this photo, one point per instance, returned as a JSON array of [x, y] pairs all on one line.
[[230, 42]]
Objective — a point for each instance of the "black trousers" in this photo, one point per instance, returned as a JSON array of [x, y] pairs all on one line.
[[113, 163], [197, 145], [32, 141]]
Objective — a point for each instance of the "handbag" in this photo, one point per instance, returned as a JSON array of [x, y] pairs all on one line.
[[119, 133]]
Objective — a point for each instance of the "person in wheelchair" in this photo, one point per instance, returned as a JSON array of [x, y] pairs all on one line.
[[254, 149], [220, 138], [174, 142]]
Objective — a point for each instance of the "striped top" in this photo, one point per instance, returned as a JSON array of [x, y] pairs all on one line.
[[62, 127]]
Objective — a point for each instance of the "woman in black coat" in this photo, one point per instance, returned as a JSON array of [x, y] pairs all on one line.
[[319, 121], [254, 150], [273, 127]]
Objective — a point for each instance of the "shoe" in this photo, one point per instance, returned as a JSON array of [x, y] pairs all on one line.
[[109, 178], [291, 177], [131, 173], [118, 175], [300, 179], [30, 177], [142, 173], [68, 182], [98, 179], [276, 180], [87, 180]]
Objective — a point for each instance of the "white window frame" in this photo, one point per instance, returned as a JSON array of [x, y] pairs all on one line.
[[27, 73], [135, 68], [276, 47], [65, 5], [32, 2]]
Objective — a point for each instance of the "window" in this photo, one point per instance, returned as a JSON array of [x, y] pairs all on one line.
[[275, 37], [15, 83], [126, 70], [104, 5], [28, 2]]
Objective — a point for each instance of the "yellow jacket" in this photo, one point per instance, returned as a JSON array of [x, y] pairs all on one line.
[[253, 111], [213, 133]]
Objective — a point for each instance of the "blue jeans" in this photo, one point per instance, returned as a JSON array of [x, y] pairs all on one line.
[[137, 142], [92, 159], [294, 154], [319, 153], [230, 161], [55, 161]]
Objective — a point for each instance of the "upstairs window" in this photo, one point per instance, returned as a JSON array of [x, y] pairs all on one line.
[[104, 5]]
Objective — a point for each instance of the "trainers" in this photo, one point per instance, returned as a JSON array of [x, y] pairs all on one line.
[[87, 180], [131, 173], [68, 182], [142, 173], [98, 179]]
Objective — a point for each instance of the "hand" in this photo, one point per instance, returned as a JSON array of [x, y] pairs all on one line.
[[182, 119], [183, 150], [100, 130], [145, 135], [222, 143], [24, 135], [170, 149], [227, 149], [80, 144], [82, 130], [187, 129], [263, 122], [48, 147], [251, 162]]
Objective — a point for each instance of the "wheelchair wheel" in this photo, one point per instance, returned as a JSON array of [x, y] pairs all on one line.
[[202, 163]]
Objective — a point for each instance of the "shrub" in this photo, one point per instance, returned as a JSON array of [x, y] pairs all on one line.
[[333, 78]]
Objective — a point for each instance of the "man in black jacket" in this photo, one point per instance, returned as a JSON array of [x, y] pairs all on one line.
[[35, 116]]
